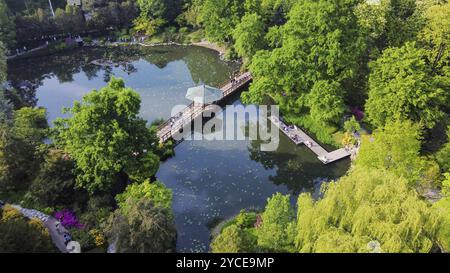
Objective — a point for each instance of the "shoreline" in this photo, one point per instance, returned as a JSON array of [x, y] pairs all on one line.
[[204, 44]]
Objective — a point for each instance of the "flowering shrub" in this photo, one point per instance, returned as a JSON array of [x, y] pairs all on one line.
[[38, 225], [68, 219], [10, 213], [359, 115], [98, 237]]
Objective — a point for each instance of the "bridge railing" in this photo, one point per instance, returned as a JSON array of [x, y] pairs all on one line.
[[164, 131]]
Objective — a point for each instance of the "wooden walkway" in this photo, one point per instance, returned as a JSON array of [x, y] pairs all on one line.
[[176, 123], [298, 136]]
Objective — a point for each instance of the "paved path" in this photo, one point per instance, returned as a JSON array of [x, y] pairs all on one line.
[[57, 234], [25, 52]]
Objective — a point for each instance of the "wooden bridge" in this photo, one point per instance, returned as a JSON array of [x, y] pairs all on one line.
[[298, 136], [185, 117]]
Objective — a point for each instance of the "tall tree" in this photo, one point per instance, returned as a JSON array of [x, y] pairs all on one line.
[[320, 42], [55, 181], [395, 148], [20, 155], [435, 36], [106, 138], [403, 86], [143, 229], [404, 20], [278, 226], [249, 35], [160, 9], [156, 192], [7, 26], [233, 239], [220, 17]]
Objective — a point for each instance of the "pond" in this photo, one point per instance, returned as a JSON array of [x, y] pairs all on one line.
[[211, 180]]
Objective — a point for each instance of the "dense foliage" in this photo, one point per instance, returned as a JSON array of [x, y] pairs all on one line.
[[34, 19], [403, 86], [310, 64], [156, 192], [316, 59], [20, 235], [107, 139], [366, 205], [368, 210], [20, 151], [144, 228]]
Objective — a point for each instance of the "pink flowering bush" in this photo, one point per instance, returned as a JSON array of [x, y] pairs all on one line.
[[68, 219]]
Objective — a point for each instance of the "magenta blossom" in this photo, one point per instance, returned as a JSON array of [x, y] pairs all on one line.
[[68, 219], [356, 112]]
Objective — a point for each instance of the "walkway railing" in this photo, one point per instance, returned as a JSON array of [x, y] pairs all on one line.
[[188, 114]]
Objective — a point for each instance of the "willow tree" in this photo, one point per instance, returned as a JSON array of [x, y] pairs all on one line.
[[107, 139], [368, 210], [443, 207]]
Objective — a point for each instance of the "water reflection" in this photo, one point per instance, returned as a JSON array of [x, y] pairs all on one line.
[[160, 74], [211, 180], [214, 180]]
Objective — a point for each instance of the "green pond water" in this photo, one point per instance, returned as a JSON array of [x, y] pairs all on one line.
[[211, 180]]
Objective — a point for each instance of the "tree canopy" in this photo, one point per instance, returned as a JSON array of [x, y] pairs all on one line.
[[143, 229], [233, 239], [403, 86], [396, 148], [249, 35], [367, 207], [20, 235], [320, 45], [277, 230], [106, 137], [7, 26], [20, 147], [156, 192]]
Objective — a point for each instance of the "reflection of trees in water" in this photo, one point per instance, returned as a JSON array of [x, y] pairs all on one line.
[[107, 73], [202, 64], [200, 61], [293, 171], [162, 56], [21, 97], [65, 65]]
